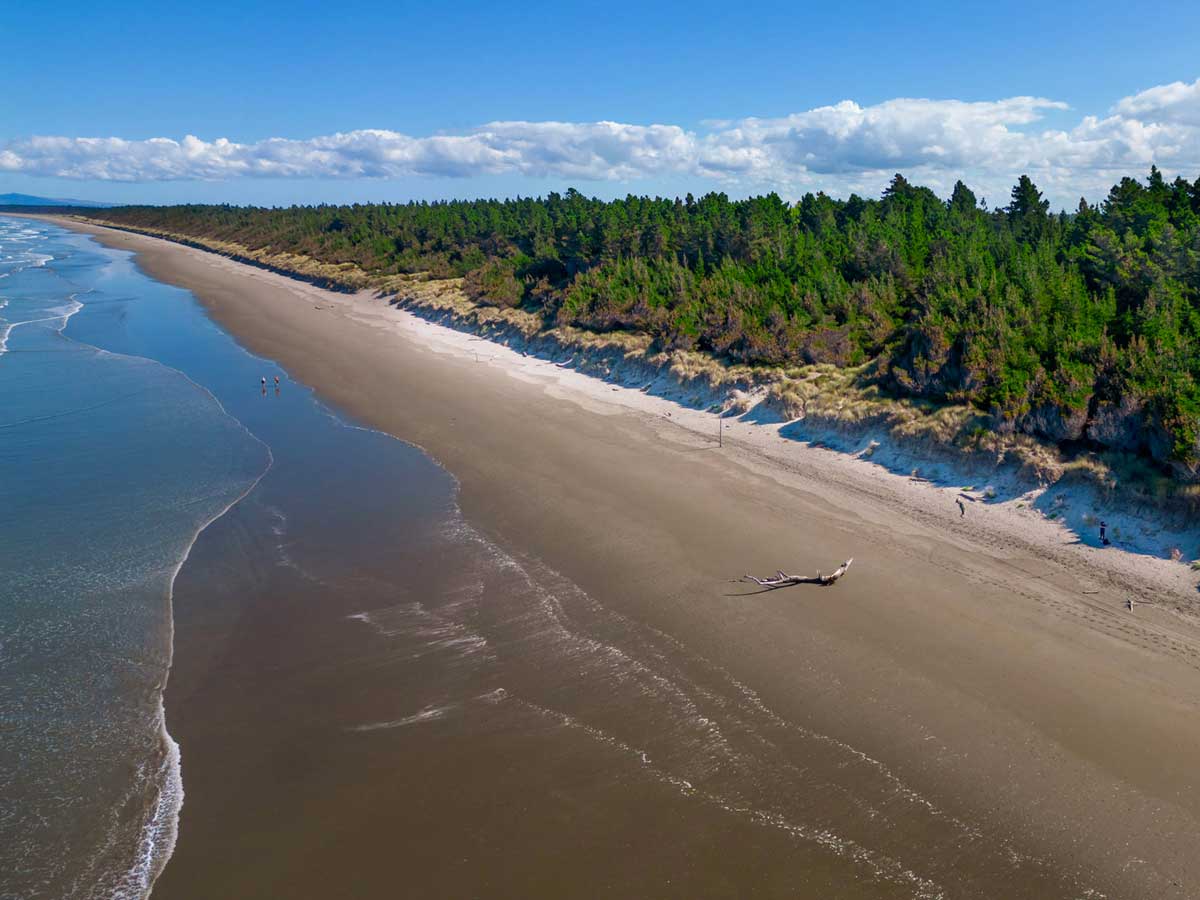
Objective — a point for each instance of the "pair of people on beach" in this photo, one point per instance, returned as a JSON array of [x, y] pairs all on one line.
[[264, 384]]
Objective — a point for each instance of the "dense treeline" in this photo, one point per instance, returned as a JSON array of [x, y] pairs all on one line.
[[1081, 326]]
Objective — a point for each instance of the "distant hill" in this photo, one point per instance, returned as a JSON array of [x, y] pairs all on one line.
[[30, 200]]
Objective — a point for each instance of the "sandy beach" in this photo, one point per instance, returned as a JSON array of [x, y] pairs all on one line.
[[988, 667]]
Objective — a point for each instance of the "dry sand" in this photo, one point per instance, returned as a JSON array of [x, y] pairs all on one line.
[[991, 663]]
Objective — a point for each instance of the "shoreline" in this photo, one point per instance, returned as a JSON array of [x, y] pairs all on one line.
[[138, 833], [153, 856], [1061, 498], [1012, 643], [1060, 512], [819, 399]]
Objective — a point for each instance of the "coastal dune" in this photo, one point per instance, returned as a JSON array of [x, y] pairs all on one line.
[[1038, 732]]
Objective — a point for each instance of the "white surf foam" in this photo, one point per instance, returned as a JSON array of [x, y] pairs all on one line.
[[156, 842], [428, 714], [61, 314]]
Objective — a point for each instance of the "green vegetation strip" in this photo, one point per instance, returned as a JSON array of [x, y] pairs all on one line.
[[977, 325]]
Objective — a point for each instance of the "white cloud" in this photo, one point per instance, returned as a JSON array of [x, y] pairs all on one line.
[[840, 148], [1176, 102], [896, 134]]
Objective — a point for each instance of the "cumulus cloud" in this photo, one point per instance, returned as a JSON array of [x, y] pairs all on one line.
[[896, 134], [1176, 102], [594, 151], [838, 148]]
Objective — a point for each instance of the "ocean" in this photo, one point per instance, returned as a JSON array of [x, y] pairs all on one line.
[[110, 463], [254, 648], [129, 423]]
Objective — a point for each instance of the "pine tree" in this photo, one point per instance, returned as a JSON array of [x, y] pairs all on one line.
[[1028, 211], [962, 200]]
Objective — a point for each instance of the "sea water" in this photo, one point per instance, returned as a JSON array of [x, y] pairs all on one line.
[[110, 464], [129, 423]]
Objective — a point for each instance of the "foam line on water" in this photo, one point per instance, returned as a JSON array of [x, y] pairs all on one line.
[[64, 316], [428, 714], [879, 864]]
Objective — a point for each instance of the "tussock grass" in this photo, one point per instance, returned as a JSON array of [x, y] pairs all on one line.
[[344, 276]]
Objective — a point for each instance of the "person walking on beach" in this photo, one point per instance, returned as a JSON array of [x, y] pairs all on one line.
[[276, 385], [264, 385], [1104, 533], [962, 509]]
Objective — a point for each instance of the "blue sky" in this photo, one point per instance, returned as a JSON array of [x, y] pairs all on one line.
[[301, 71]]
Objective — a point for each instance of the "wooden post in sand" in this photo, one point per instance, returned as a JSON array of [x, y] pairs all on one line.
[[720, 432]]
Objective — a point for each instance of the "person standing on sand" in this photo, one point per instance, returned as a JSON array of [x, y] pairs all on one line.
[[1103, 532], [962, 509]]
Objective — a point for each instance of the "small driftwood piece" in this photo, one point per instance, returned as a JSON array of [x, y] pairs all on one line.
[[782, 579]]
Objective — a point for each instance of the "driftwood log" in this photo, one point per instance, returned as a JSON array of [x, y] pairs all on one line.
[[782, 579]]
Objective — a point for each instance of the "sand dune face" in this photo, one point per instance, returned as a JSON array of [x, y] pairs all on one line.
[[987, 666]]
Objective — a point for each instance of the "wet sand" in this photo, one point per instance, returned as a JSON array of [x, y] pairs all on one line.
[[973, 716]]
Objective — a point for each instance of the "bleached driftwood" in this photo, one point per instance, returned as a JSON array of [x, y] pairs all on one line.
[[782, 579]]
